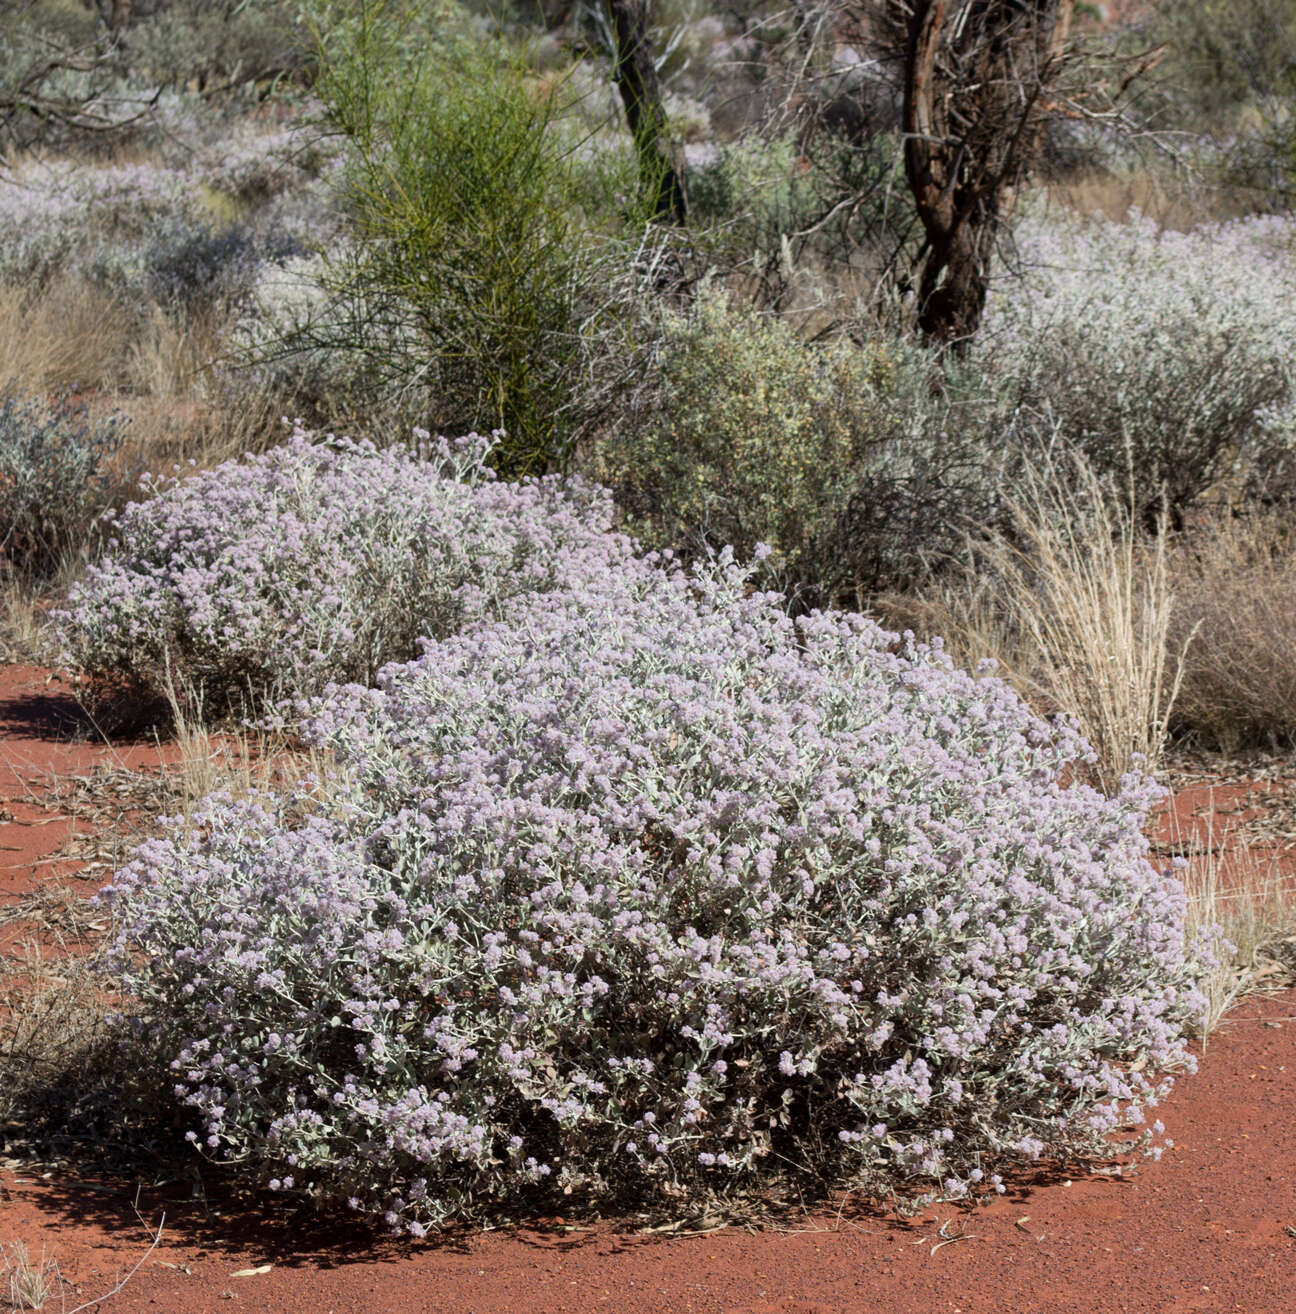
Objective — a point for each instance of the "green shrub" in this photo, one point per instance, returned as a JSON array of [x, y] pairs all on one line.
[[1222, 55], [235, 41], [1229, 73], [848, 462], [473, 275], [754, 183], [811, 222]]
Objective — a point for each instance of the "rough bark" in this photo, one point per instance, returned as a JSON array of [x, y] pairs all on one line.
[[661, 171], [977, 79]]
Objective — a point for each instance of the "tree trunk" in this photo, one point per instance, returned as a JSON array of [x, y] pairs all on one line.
[[955, 280], [661, 170], [976, 78]]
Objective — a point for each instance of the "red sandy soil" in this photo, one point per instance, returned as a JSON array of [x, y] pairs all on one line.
[[44, 746], [1211, 1227]]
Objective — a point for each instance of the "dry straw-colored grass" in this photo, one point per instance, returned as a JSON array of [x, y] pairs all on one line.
[[1234, 584], [23, 633], [239, 761], [27, 1283], [1075, 607], [1174, 200], [1244, 895], [51, 1015], [71, 335], [65, 336], [164, 368]]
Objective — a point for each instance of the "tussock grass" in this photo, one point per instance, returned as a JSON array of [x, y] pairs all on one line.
[[67, 336], [206, 426], [23, 635], [27, 1283], [237, 760], [1075, 607], [1234, 584], [1243, 893], [1175, 202], [171, 353], [26, 598], [51, 1016], [163, 373], [31, 1284]]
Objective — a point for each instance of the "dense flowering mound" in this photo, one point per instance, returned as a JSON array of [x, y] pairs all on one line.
[[271, 576], [653, 889]]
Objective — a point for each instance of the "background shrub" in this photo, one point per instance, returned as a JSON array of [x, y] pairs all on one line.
[[218, 46], [1169, 373], [197, 266], [66, 217], [650, 889], [850, 462], [268, 577], [57, 478], [1229, 74], [473, 276]]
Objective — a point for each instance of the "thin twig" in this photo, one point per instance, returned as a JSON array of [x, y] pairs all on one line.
[[157, 1236]]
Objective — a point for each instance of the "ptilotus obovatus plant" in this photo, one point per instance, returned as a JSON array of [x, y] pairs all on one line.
[[266, 578], [649, 889]]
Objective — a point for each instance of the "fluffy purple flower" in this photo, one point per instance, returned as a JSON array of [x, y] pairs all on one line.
[[646, 862]]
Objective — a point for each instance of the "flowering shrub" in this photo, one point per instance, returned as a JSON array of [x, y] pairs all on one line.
[[57, 215], [270, 576], [652, 889], [122, 225]]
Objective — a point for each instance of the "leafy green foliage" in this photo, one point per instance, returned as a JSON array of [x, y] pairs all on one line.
[[473, 274], [847, 461]]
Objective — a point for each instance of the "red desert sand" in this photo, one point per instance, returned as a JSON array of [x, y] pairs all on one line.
[[1211, 1227]]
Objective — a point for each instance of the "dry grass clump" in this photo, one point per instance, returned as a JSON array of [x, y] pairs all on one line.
[[24, 636], [1075, 608], [1244, 892], [1234, 585], [237, 761], [27, 1283], [67, 336], [162, 368], [1174, 201], [205, 426], [50, 1017]]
